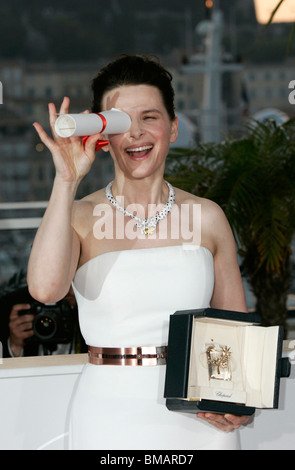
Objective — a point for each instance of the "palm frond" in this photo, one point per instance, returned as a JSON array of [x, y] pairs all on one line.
[[252, 179], [274, 12]]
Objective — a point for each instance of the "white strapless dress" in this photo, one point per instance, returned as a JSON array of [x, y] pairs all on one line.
[[125, 299]]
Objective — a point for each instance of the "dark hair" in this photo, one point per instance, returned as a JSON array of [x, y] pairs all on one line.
[[133, 70]]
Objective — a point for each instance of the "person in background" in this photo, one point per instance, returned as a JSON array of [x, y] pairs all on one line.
[[16, 327]]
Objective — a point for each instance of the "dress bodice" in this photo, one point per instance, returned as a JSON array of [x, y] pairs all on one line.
[[125, 297]]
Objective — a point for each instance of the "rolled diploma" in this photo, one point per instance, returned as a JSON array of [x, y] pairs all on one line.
[[68, 125]]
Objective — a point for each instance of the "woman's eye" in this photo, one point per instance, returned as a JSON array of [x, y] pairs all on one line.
[[149, 117]]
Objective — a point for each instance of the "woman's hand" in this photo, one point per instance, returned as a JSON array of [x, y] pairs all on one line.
[[227, 422], [71, 159]]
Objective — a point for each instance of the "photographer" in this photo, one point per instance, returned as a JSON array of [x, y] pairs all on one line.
[[20, 328], [30, 329]]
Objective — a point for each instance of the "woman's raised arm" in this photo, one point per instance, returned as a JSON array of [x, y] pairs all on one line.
[[56, 248]]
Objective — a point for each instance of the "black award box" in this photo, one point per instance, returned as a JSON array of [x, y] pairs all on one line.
[[223, 361]]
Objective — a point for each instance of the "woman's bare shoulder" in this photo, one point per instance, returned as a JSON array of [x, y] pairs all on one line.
[[215, 228], [82, 212], [209, 207]]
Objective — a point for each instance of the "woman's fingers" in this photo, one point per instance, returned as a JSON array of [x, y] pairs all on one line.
[[65, 105], [44, 137], [72, 159], [94, 143], [237, 420], [225, 422], [64, 109], [52, 115]]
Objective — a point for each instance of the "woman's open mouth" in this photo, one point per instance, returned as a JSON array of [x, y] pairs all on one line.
[[139, 152]]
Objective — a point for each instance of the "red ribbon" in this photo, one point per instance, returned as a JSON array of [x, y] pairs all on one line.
[[104, 122], [99, 143]]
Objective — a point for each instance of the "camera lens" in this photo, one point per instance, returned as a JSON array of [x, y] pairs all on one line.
[[53, 323], [45, 326]]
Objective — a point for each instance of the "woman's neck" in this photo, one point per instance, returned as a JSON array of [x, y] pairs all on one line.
[[142, 191]]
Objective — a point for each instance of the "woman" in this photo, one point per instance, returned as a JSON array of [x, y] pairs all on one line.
[[128, 275]]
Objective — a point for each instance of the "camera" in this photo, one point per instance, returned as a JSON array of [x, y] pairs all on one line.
[[53, 323]]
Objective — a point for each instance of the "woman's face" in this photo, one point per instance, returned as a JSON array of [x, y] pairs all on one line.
[[141, 151]]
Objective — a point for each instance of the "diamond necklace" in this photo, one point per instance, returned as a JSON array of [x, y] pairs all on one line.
[[147, 224]]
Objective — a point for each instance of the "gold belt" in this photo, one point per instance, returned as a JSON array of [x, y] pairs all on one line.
[[134, 356]]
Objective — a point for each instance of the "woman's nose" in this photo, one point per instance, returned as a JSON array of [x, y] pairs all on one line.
[[136, 129]]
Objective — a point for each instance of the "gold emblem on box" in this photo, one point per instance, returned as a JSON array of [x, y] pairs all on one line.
[[219, 362]]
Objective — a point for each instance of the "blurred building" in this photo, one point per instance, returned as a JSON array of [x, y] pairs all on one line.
[[268, 86], [26, 166], [15, 147]]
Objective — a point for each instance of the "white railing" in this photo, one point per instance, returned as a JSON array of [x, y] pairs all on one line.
[[19, 223]]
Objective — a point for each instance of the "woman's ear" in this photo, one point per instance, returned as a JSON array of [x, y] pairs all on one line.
[[174, 130]]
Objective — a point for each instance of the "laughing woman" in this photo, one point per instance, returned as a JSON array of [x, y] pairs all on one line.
[[127, 285]]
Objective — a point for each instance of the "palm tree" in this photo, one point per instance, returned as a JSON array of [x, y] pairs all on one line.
[[252, 179]]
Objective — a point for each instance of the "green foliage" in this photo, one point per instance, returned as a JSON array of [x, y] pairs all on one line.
[[252, 179]]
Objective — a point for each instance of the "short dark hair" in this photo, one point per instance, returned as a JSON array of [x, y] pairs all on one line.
[[133, 70]]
